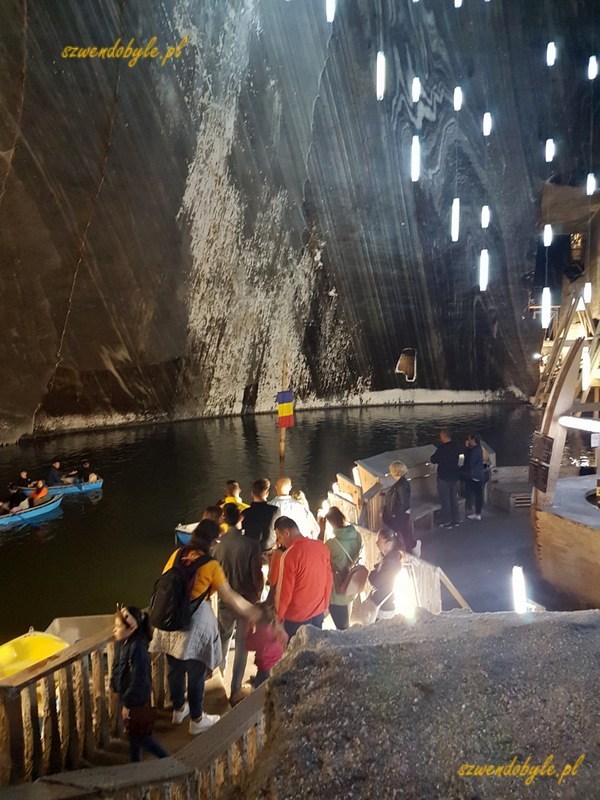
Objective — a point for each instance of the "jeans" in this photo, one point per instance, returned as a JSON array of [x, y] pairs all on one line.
[[340, 616], [196, 672], [228, 623], [291, 628], [448, 499], [149, 744], [474, 494]]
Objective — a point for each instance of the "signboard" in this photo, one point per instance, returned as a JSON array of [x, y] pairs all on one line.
[[539, 462]]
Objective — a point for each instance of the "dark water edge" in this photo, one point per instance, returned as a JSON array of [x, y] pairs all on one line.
[[100, 553]]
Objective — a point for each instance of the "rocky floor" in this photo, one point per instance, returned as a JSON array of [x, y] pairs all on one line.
[[417, 710]]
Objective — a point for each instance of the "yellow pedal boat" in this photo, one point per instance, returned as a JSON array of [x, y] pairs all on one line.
[[26, 650]]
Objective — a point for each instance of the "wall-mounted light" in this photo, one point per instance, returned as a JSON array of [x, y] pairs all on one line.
[[458, 3], [485, 216], [550, 150], [458, 98], [592, 68], [415, 159], [580, 424], [547, 235], [551, 54], [546, 307], [455, 220], [380, 85], [484, 270], [330, 10], [590, 184], [587, 292], [487, 123], [416, 90], [519, 591], [586, 369]]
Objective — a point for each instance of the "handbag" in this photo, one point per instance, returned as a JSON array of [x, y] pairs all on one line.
[[141, 720], [356, 576], [365, 612]]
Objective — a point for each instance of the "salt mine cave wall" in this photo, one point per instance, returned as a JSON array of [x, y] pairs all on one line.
[[170, 235]]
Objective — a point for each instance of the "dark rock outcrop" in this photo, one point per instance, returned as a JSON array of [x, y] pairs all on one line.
[[171, 234]]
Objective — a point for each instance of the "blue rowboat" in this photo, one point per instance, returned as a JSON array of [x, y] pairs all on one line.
[[71, 488], [31, 514], [183, 533]]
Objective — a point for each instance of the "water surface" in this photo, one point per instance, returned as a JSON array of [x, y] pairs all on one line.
[[100, 553]]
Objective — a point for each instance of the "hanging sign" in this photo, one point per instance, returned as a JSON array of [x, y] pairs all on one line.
[[539, 462]]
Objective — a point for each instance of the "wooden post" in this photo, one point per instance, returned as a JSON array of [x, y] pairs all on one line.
[[284, 380]]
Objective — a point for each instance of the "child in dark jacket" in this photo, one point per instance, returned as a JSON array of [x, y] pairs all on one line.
[[268, 639], [130, 679]]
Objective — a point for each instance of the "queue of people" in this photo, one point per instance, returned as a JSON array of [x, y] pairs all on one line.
[[310, 576]]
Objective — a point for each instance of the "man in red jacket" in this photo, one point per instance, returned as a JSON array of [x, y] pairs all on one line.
[[305, 578]]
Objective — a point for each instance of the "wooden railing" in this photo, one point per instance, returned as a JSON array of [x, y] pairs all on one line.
[[209, 767], [56, 713]]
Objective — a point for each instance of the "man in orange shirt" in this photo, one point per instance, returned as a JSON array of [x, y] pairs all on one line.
[[305, 578]]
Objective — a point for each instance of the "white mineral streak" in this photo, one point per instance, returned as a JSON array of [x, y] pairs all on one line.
[[249, 298]]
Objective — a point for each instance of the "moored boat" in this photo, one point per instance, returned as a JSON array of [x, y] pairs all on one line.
[[24, 651], [71, 488], [183, 533], [31, 514]]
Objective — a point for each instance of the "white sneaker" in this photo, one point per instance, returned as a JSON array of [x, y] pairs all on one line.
[[417, 549], [179, 716], [474, 516], [204, 724]]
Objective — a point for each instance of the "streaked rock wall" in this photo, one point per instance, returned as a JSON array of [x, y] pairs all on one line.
[[170, 235]]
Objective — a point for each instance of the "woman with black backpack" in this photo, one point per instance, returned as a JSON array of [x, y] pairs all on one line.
[[186, 628]]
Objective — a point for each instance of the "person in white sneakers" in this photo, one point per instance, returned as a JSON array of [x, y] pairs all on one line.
[[472, 474], [196, 648], [294, 509]]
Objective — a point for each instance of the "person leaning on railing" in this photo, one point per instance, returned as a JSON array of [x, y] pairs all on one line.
[[192, 651]]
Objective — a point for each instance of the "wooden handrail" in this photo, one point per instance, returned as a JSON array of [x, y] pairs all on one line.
[[453, 590], [32, 674]]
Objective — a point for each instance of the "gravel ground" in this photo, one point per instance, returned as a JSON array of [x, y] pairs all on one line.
[[395, 710]]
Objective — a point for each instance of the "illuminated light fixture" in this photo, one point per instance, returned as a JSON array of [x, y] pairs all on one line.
[[537, 356], [457, 3], [551, 54], [546, 307], [484, 270], [416, 90], [487, 123], [458, 98], [380, 75], [547, 235], [330, 10], [580, 424], [592, 68], [485, 216], [590, 184], [356, 476], [550, 150], [415, 159], [580, 305], [586, 369], [519, 591], [587, 292], [405, 600], [455, 220]]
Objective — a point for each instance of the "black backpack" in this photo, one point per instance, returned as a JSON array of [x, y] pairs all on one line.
[[170, 607]]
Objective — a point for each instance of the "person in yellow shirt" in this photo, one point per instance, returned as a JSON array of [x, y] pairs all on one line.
[[193, 651], [233, 495]]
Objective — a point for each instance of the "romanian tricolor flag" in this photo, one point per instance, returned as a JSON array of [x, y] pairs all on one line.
[[285, 409]]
